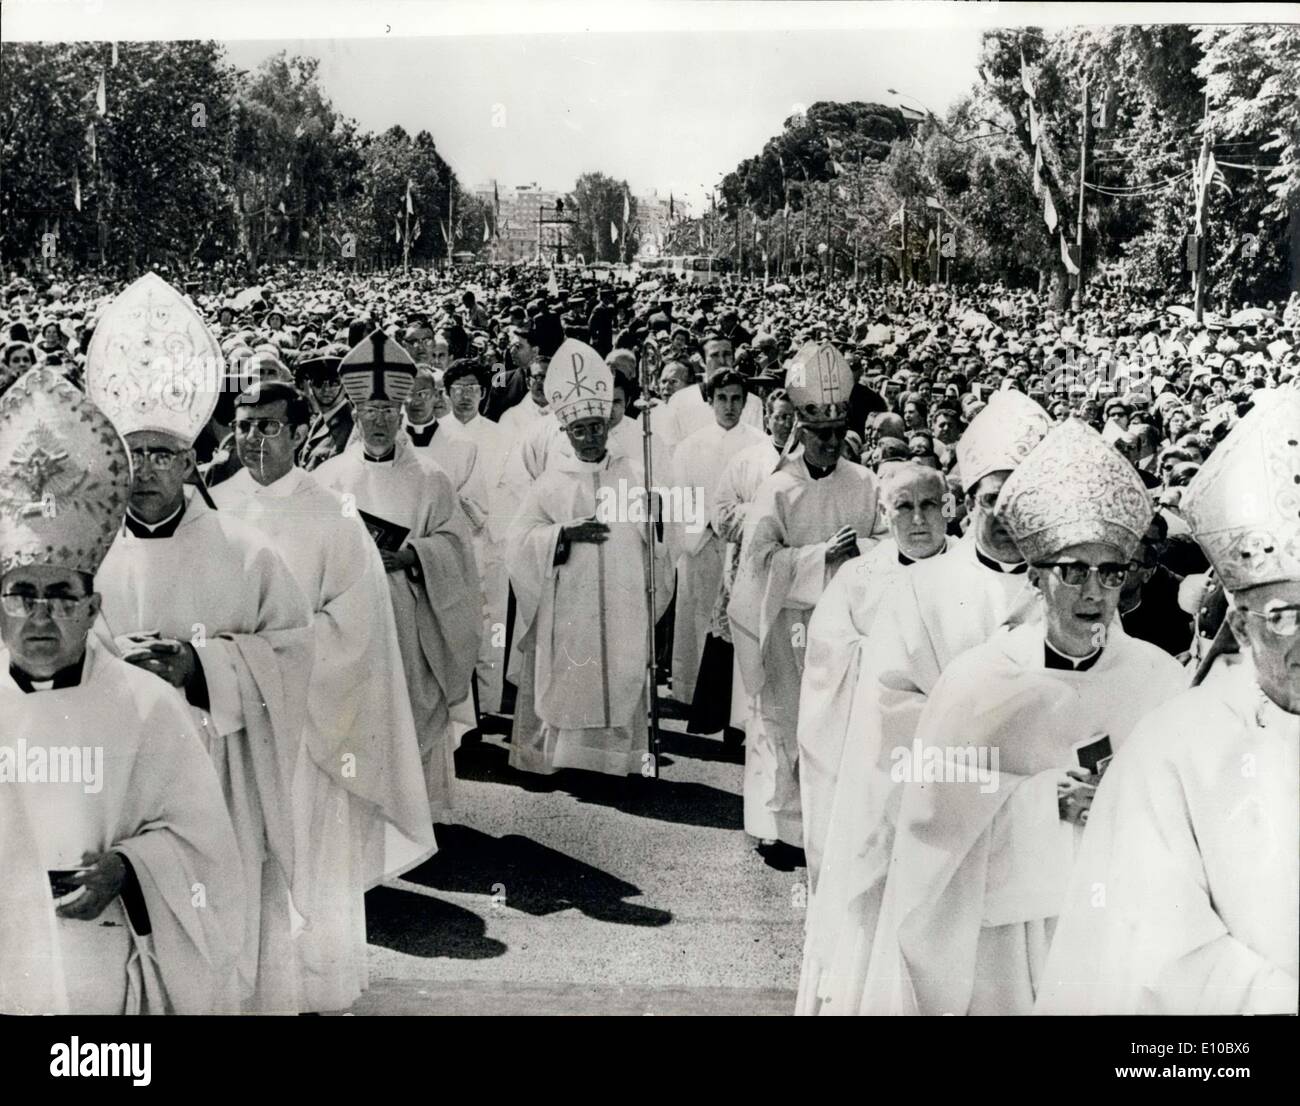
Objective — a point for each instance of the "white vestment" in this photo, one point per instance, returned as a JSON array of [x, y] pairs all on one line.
[[359, 799], [689, 411], [583, 623], [934, 612], [783, 573], [436, 605], [1183, 899], [157, 802], [698, 462], [488, 480], [218, 585], [982, 856]]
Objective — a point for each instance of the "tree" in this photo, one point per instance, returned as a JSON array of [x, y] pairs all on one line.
[[597, 203]]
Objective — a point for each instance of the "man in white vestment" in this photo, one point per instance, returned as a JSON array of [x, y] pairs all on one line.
[[698, 461], [577, 568], [735, 491], [202, 601], [359, 800], [414, 516], [912, 497], [528, 410], [456, 455], [1184, 895], [809, 517], [688, 408], [104, 782], [936, 610], [492, 447], [1011, 744]]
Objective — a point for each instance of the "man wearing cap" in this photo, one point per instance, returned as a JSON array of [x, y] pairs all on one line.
[[332, 425], [413, 513], [1193, 832], [697, 463], [1016, 733], [359, 771], [810, 516], [202, 601], [128, 838], [577, 561]]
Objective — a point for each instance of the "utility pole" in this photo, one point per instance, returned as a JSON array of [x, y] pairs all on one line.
[[938, 246], [902, 253], [830, 252], [1083, 193]]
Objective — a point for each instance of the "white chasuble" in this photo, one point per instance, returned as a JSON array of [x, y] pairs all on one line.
[[437, 609], [359, 799], [981, 856], [156, 801], [584, 620], [217, 584], [1183, 900]]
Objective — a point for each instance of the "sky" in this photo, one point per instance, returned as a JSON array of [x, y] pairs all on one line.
[[671, 112]]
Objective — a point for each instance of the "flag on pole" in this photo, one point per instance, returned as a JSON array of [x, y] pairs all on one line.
[[627, 208], [299, 131], [1067, 257], [672, 207], [397, 229], [932, 202], [288, 175], [487, 233], [1026, 77], [1033, 124], [896, 220], [282, 210], [613, 231], [76, 189], [90, 141], [115, 55], [101, 95], [443, 227], [1049, 213], [929, 240], [410, 204], [1038, 169], [415, 230], [1213, 175], [836, 166], [701, 235]]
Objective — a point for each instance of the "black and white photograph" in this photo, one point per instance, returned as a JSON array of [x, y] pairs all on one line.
[[711, 509]]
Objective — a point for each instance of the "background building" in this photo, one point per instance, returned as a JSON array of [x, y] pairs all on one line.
[[517, 226]]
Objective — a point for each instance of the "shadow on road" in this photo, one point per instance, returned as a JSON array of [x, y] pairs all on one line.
[[682, 802], [423, 926], [530, 877]]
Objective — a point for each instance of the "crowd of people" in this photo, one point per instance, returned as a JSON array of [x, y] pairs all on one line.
[[997, 602]]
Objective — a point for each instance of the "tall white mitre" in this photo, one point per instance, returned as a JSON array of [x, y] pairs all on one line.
[[377, 368], [819, 381], [1074, 488], [1243, 506], [153, 364], [64, 476], [1000, 436], [579, 384]]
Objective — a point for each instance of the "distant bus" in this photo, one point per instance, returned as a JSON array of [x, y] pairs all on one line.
[[697, 269]]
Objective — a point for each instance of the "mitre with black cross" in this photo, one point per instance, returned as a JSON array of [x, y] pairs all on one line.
[[819, 381], [377, 368], [579, 385]]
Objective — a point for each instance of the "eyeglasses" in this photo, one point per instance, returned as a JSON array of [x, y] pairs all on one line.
[[1074, 574], [266, 428], [56, 606], [161, 460], [986, 501], [1283, 621], [462, 388]]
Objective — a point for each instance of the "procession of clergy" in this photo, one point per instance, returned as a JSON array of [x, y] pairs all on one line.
[[276, 673]]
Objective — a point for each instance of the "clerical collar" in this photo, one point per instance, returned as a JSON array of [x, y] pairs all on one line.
[[380, 460], [998, 566], [164, 529], [904, 559], [422, 435], [69, 676], [1055, 659], [816, 471]]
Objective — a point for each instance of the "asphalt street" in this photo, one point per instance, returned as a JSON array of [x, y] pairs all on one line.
[[585, 894]]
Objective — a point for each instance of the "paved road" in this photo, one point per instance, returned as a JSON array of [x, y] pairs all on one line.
[[577, 894]]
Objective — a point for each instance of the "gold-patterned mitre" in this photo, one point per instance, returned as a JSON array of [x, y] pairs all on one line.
[[1243, 506], [1000, 436], [153, 364], [579, 385], [818, 382], [64, 476], [1071, 489]]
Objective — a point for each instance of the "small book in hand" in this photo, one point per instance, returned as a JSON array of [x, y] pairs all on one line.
[[389, 536]]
